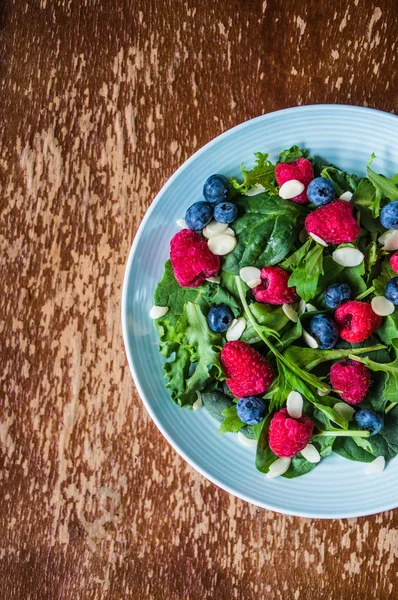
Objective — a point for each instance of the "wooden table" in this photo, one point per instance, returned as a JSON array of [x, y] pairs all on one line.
[[101, 101]]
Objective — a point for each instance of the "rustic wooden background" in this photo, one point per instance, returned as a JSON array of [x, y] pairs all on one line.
[[100, 102]]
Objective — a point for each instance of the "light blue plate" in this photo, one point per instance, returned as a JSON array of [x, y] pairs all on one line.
[[337, 488]]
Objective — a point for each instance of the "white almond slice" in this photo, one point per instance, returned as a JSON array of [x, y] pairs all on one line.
[[309, 340], [290, 312], [182, 224], [346, 196], [222, 244], [249, 273], [213, 279], [235, 330], [246, 441], [324, 392], [302, 236], [253, 283], [344, 410], [389, 239], [376, 466], [158, 311], [318, 239], [294, 405], [255, 189], [310, 308], [301, 308], [311, 454], [229, 231], [291, 189], [279, 467], [198, 403], [381, 306], [214, 228], [348, 257]]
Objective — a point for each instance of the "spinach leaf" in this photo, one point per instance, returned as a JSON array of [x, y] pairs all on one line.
[[306, 275], [389, 330], [215, 403], [301, 466], [292, 154], [264, 455], [231, 423], [266, 231], [343, 181], [390, 391], [348, 448], [263, 173], [354, 278], [367, 201]]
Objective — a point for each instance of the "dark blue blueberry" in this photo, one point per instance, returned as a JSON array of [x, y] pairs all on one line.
[[216, 188], [321, 191], [369, 420], [336, 294], [392, 290], [220, 318], [225, 212], [251, 410], [389, 215], [199, 215], [324, 331]]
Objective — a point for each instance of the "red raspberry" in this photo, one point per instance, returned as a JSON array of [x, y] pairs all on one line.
[[394, 262], [274, 288], [300, 169], [356, 321], [287, 436], [248, 372], [334, 223], [351, 379], [192, 259]]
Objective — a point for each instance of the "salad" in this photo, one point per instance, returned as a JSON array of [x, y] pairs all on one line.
[[276, 311]]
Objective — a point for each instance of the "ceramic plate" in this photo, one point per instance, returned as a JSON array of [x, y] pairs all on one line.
[[344, 135]]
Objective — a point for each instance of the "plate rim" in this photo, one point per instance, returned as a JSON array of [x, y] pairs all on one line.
[[123, 307]]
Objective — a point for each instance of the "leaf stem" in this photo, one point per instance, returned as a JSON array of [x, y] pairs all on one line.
[[390, 407], [365, 293], [343, 433]]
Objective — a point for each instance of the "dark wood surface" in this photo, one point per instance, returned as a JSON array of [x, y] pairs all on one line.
[[100, 102]]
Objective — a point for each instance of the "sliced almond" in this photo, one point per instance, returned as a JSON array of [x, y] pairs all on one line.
[[310, 308], [324, 392], [229, 231], [246, 441], [213, 279], [182, 224], [294, 405], [301, 308], [309, 340], [158, 311], [291, 189], [389, 239], [214, 228], [255, 189], [348, 257], [346, 196], [290, 312], [198, 403], [318, 239], [249, 273], [253, 283], [344, 410], [279, 467], [376, 466], [382, 306], [311, 454], [235, 330], [222, 244]]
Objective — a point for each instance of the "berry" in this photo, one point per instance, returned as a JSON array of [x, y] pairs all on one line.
[[251, 410], [300, 169], [321, 191], [274, 288], [248, 373], [392, 290], [324, 331], [394, 262], [369, 420], [192, 259], [219, 318], [287, 436], [225, 212], [199, 215], [389, 215], [334, 223], [351, 379], [216, 188], [336, 294], [356, 321]]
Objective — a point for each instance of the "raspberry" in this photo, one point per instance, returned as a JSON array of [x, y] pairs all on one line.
[[300, 169], [394, 262], [287, 436], [356, 321], [334, 223], [274, 288], [192, 259], [351, 379], [247, 371]]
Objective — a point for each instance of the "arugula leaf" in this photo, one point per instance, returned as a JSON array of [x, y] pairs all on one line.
[[310, 358], [367, 200], [306, 275], [384, 187], [292, 154], [386, 273], [215, 403], [263, 173], [389, 330], [231, 422], [266, 232], [343, 181], [298, 256], [390, 391]]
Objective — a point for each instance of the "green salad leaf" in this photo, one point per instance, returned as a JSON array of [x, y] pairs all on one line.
[[384, 187], [389, 330], [231, 422], [367, 200], [343, 181], [215, 403], [263, 173], [292, 154], [386, 273], [390, 391], [306, 274]]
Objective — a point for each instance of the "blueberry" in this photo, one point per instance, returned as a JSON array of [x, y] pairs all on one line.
[[324, 331], [336, 294], [392, 290], [225, 212], [389, 215], [321, 191], [199, 215], [369, 420], [216, 188], [251, 410], [220, 318]]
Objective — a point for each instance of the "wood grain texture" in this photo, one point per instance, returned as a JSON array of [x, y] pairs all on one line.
[[100, 102]]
